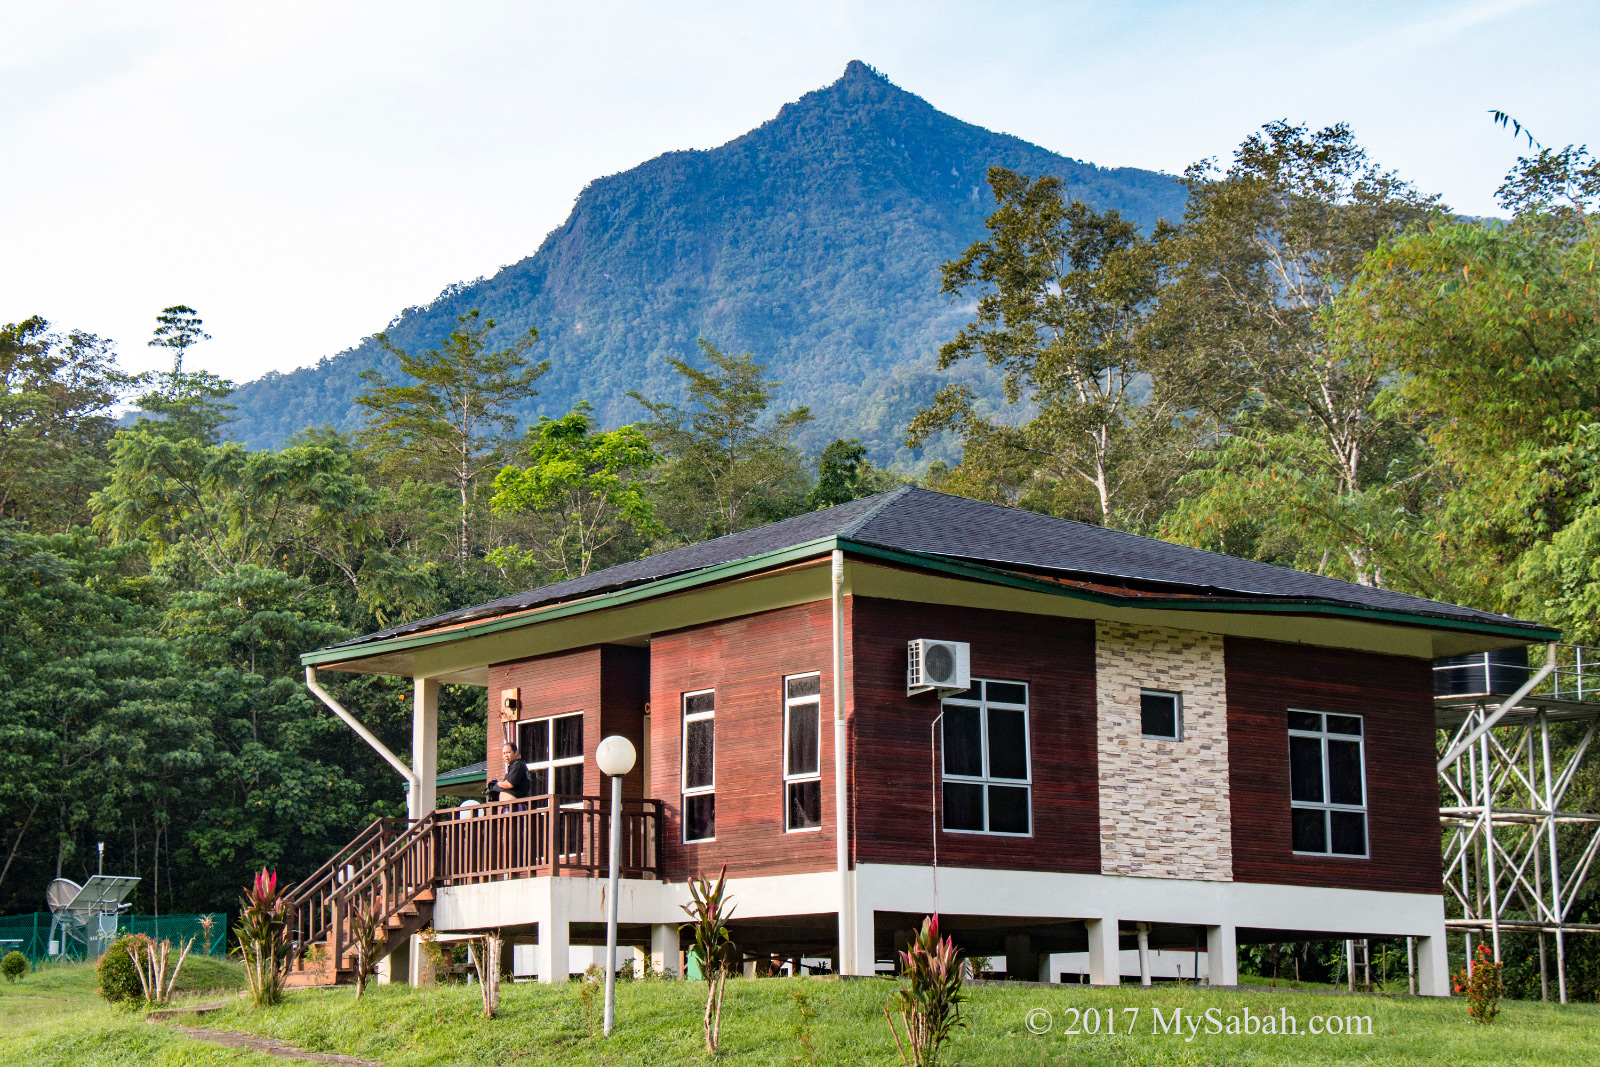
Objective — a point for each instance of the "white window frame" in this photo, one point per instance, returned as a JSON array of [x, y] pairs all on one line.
[[1326, 806], [1177, 714], [789, 705], [549, 765], [685, 716], [986, 779]]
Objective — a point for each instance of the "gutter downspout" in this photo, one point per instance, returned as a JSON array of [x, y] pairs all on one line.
[[366, 735], [841, 810]]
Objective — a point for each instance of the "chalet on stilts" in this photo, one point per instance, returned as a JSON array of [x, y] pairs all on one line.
[[1064, 739]]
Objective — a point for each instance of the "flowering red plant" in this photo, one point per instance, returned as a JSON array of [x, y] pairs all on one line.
[[263, 933], [929, 1003], [1482, 984]]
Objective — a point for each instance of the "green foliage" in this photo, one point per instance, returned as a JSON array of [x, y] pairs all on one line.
[[726, 461], [13, 966], [844, 473], [1481, 986], [1063, 295], [709, 910], [928, 1001], [582, 493], [178, 328], [117, 978], [57, 392], [262, 933], [451, 415]]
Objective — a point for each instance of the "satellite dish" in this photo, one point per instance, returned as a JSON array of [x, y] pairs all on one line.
[[62, 892]]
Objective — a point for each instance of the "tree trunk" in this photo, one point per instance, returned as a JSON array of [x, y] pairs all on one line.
[[22, 832]]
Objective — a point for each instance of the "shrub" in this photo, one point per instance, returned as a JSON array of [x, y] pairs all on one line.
[[118, 978], [14, 966], [929, 999], [1483, 988], [263, 932], [708, 910]]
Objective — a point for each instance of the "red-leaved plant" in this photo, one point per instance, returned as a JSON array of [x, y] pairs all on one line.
[[263, 933], [1483, 987], [709, 909], [928, 1001]]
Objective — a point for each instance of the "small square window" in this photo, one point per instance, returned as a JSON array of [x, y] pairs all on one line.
[[1161, 715]]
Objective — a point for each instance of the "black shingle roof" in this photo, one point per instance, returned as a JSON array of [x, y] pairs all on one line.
[[919, 520]]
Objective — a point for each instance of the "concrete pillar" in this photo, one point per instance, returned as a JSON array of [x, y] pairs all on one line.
[[386, 969], [866, 945], [424, 746], [1144, 954], [1022, 963], [551, 957], [1222, 955], [1047, 973], [664, 949], [1105, 952], [749, 968], [1433, 967], [419, 968]]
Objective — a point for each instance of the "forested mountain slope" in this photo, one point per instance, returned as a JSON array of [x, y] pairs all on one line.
[[813, 242]]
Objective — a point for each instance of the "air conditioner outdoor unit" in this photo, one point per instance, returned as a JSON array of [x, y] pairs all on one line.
[[937, 665]]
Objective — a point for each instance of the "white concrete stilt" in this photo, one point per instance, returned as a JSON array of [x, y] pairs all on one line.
[[1105, 952], [664, 949], [1144, 954], [1222, 955]]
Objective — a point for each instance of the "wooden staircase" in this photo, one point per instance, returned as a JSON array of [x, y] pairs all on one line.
[[388, 868], [395, 866]]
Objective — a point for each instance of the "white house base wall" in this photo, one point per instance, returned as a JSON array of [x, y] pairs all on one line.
[[1106, 903]]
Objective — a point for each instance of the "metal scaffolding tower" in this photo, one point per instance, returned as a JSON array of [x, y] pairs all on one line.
[[1515, 858]]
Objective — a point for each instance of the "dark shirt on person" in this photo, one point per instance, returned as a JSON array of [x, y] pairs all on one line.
[[518, 781]]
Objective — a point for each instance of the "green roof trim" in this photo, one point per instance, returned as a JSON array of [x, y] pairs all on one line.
[[644, 591], [942, 564], [464, 775]]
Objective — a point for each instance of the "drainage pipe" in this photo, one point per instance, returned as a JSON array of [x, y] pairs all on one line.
[[841, 810], [366, 734]]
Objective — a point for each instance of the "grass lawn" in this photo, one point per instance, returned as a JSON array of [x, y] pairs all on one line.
[[53, 1017]]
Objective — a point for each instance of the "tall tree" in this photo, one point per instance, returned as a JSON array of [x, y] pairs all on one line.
[[452, 416], [844, 473], [1265, 250], [1493, 331], [728, 465], [1063, 297], [57, 394], [581, 492], [178, 329]]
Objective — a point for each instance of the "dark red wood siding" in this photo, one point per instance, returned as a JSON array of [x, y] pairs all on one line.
[[1394, 694], [745, 660], [607, 683], [892, 793]]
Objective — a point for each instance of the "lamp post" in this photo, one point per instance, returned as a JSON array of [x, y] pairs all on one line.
[[615, 757]]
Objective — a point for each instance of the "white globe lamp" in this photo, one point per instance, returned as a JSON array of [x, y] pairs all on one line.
[[615, 757]]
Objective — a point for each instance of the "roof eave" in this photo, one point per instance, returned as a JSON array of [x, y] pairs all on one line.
[[1530, 632]]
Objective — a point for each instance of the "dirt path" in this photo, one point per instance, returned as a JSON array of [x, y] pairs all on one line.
[[270, 1045]]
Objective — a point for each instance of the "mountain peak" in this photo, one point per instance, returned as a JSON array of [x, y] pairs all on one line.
[[856, 72], [813, 241]]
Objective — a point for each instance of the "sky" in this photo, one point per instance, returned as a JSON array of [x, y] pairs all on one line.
[[300, 172]]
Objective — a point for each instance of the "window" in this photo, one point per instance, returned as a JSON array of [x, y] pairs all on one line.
[[802, 752], [553, 750], [986, 782], [699, 766], [1161, 715], [1327, 784]]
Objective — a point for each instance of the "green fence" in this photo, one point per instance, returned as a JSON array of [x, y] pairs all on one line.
[[30, 934]]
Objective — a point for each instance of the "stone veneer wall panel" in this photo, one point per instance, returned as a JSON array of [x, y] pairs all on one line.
[[1164, 810]]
